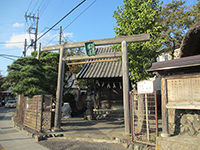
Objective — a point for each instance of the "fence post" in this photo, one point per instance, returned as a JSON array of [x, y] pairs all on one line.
[[147, 116], [164, 109]]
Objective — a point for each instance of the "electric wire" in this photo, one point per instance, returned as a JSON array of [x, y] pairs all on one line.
[[9, 55], [34, 6], [79, 15], [10, 42], [29, 6], [55, 12], [40, 5], [61, 19], [42, 11], [10, 24], [73, 20]]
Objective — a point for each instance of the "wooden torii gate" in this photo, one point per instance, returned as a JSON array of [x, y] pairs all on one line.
[[109, 41]]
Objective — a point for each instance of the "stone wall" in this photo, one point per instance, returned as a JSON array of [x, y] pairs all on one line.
[[184, 122]]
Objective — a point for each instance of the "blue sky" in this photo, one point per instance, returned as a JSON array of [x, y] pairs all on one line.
[[96, 22]]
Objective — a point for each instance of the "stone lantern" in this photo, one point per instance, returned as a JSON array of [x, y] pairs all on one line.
[[89, 100]]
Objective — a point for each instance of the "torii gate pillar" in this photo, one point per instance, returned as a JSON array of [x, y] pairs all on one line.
[[59, 92], [126, 96]]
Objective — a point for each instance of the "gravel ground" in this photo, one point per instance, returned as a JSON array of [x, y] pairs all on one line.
[[79, 145]]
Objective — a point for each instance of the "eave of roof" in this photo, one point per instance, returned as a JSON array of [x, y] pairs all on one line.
[[101, 69], [185, 62]]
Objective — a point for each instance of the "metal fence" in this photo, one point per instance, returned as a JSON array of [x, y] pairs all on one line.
[[144, 118], [35, 112]]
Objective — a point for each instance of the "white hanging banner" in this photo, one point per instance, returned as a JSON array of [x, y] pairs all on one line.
[[102, 84], [114, 86], [120, 85], [98, 83], [108, 86]]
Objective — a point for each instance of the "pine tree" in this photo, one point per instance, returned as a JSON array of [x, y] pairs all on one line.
[[26, 76]]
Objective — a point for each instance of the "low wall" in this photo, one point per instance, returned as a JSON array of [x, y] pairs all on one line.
[[184, 122]]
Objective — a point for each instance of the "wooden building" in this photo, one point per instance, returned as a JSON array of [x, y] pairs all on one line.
[[107, 77], [180, 86]]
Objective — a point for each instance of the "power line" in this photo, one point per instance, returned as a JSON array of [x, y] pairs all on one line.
[[55, 12], [29, 5], [10, 42], [61, 19], [34, 6], [7, 57], [80, 14], [42, 11], [10, 55], [73, 20], [40, 4]]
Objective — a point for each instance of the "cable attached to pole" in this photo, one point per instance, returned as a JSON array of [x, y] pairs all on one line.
[[61, 19]]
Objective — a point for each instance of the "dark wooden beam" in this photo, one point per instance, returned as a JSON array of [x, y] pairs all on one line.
[[108, 41], [99, 56]]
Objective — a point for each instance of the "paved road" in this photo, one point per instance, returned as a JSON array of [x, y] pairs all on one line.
[[57, 144], [11, 138]]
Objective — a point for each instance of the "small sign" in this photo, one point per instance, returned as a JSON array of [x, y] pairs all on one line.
[[145, 87], [90, 48]]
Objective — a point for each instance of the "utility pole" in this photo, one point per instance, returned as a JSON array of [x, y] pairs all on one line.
[[36, 31], [38, 53], [32, 17], [60, 35], [25, 44]]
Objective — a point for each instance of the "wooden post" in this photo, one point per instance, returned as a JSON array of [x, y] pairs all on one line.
[[126, 96], [59, 92], [164, 109], [38, 53], [147, 116], [60, 35], [36, 31]]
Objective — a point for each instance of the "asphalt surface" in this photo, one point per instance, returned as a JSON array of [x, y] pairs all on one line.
[[60, 144], [11, 138]]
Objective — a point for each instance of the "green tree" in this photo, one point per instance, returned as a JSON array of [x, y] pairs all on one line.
[[138, 17], [25, 76], [49, 62], [176, 19], [72, 69], [195, 12], [1, 82]]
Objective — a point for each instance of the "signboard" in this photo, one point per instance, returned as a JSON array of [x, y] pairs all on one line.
[[145, 87], [90, 48]]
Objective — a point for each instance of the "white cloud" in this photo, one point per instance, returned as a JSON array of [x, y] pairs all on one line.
[[18, 25], [68, 35], [17, 40], [52, 39]]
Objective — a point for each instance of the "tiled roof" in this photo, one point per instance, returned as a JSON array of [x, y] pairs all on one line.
[[185, 62], [101, 69]]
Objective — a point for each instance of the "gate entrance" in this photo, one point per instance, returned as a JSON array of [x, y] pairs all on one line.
[[123, 40]]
